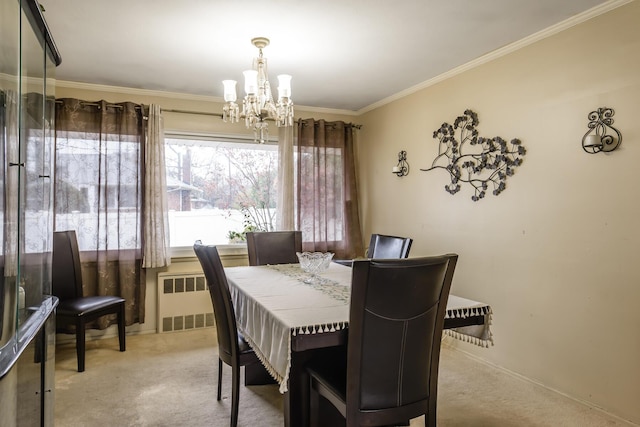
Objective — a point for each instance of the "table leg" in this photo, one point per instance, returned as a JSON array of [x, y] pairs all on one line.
[[257, 374], [296, 400]]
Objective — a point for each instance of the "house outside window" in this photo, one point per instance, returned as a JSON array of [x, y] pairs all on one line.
[[92, 176], [218, 187]]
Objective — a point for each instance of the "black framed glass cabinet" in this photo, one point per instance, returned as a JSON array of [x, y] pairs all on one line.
[[28, 58]]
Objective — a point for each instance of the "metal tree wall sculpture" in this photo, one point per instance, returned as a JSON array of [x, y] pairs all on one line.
[[473, 159]]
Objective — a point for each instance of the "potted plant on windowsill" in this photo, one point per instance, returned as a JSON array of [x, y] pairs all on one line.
[[240, 236], [254, 220]]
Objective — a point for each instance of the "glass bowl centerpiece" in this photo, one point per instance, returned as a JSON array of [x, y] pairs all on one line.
[[314, 262]]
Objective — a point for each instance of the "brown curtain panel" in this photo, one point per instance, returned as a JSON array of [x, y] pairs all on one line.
[[326, 192], [99, 149]]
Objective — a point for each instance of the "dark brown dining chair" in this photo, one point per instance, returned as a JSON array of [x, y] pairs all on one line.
[[390, 372], [273, 247], [74, 308], [232, 347], [382, 246]]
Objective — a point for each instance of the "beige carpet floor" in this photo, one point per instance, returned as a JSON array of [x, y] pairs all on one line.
[[170, 380]]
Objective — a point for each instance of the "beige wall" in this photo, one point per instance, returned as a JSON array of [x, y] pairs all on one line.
[[555, 254]]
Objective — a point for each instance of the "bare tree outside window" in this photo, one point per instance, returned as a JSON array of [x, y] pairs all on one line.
[[218, 189]]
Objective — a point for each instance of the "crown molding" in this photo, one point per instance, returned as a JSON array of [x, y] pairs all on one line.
[[326, 110], [135, 91], [498, 53]]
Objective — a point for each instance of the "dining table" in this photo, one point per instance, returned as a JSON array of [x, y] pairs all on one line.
[[287, 315]]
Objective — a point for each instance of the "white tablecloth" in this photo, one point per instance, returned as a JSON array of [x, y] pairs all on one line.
[[272, 303]]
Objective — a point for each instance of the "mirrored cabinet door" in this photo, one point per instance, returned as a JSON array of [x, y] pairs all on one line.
[[10, 18], [36, 156], [28, 58], [32, 231]]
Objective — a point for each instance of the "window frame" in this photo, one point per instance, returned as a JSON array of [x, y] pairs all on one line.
[[228, 249]]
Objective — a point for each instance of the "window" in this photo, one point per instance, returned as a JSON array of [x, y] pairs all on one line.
[[98, 190], [217, 186]]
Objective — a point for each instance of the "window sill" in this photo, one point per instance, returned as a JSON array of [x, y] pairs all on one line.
[[235, 249]]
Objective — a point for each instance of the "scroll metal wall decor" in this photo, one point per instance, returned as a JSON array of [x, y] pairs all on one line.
[[475, 160], [599, 138], [402, 168]]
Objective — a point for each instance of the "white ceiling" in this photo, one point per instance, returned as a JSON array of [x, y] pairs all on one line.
[[343, 54]]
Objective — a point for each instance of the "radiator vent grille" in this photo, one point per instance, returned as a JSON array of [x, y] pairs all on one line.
[[183, 302]]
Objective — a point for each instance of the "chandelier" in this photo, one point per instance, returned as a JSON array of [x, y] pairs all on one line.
[[258, 105]]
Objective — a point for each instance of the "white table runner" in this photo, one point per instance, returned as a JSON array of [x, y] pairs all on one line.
[[273, 303]]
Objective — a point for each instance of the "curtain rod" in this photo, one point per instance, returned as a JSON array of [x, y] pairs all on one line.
[[95, 104], [202, 113]]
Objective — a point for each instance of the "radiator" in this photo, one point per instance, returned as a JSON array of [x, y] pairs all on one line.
[[183, 302]]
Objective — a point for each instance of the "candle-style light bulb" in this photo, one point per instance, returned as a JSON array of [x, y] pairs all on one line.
[[284, 86], [250, 82], [229, 90]]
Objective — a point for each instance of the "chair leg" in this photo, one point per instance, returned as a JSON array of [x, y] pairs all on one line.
[[314, 398], [235, 394], [430, 416], [121, 331], [219, 378], [80, 343]]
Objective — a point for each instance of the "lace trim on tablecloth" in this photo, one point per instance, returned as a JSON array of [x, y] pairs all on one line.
[[463, 313], [319, 329]]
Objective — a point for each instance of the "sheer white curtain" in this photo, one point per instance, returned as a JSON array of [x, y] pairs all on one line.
[[155, 221], [285, 212]]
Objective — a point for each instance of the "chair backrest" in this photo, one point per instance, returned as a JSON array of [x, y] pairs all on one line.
[[66, 275], [388, 247], [395, 329], [274, 247], [226, 326]]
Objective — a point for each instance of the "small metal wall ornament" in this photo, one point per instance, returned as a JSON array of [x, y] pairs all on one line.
[[598, 139], [402, 168], [475, 160]]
